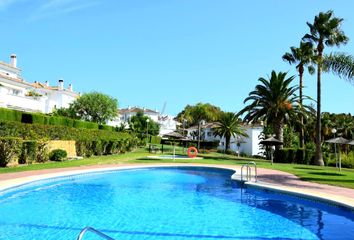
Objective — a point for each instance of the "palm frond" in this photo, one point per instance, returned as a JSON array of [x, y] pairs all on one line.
[[340, 64]]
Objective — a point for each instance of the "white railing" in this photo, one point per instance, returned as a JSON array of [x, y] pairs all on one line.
[[248, 177], [91, 229]]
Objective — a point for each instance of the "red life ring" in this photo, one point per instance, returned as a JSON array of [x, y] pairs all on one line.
[[192, 152]]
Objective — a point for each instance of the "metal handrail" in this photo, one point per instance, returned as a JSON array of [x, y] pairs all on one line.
[[91, 229], [249, 171], [255, 170]]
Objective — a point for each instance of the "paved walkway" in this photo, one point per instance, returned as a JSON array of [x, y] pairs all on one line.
[[267, 177]]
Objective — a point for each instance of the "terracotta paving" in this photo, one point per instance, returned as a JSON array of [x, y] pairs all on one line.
[[273, 177]]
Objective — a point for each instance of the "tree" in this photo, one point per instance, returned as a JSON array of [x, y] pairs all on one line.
[[142, 127], [302, 57], [65, 112], [95, 107], [201, 111], [228, 126], [325, 31], [340, 64], [273, 101]]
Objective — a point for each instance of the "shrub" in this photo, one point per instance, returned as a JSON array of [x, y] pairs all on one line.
[[57, 121], [28, 152], [10, 115], [281, 156], [9, 149], [106, 127], [347, 160], [39, 118], [155, 140], [84, 148], [300, 156], [42, 151], [97, 147], [83, 124], [58, 155], [26, 118]]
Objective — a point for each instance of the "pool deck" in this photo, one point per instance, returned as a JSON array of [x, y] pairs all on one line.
[[267, 178]]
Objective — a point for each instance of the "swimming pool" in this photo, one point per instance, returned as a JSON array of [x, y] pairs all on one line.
[[176, 203]]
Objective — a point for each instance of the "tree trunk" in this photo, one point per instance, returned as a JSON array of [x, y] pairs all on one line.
[[301, 135], [227, 143], [318, 156], [278, 129]]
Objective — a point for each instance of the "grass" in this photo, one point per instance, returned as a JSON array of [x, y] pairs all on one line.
[[325, 175]]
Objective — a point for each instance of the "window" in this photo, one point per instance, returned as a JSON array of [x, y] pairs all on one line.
[[15, 92]]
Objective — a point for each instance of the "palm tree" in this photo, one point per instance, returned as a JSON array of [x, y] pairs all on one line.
[[273, 101], [229, 126], [301, 56], [325, 31], [340, 64]]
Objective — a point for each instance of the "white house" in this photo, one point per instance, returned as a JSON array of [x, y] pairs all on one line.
[[16, 93], [248, 145], [166, 122]]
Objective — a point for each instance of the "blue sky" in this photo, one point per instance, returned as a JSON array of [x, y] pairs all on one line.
[[147, 52]]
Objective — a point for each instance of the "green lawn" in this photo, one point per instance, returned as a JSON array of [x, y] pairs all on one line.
[[327, 175]]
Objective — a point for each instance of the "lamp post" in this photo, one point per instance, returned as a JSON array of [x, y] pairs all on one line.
[[201, 122], [184, 121], [147, 129], [335, 145]]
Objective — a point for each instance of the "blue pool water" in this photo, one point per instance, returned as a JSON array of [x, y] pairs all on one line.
[[181, 203]]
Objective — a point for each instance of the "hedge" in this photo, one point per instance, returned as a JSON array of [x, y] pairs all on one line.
[[294, 155], [57, 132], [10, 115], [28, 152], [9, 148], [39, 118]]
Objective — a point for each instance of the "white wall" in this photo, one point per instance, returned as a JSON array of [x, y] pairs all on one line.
[[248, 145], [21, 102]]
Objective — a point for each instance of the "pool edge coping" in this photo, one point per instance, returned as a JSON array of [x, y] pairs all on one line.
[[307, 193]]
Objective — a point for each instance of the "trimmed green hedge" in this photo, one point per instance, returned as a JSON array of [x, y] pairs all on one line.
[[10, 115], [39, 118], [294, 155], [57, 132]]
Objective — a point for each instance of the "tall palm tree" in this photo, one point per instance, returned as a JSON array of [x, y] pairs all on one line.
[[340, 64], [229, 126], [302, 57], [325, 31], [273, 101]]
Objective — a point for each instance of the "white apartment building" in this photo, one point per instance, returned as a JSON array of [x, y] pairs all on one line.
[[248, 145], [18, 94], [166, 122]]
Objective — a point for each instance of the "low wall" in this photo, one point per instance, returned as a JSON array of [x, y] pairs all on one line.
[[68, 146]]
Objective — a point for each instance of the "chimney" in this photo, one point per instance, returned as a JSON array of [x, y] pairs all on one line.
[[13, 60], [70, 88], [46, 83], [61, 84]]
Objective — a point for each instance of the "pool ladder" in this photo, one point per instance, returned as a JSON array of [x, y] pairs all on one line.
[[91, 229], [248, 177]]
